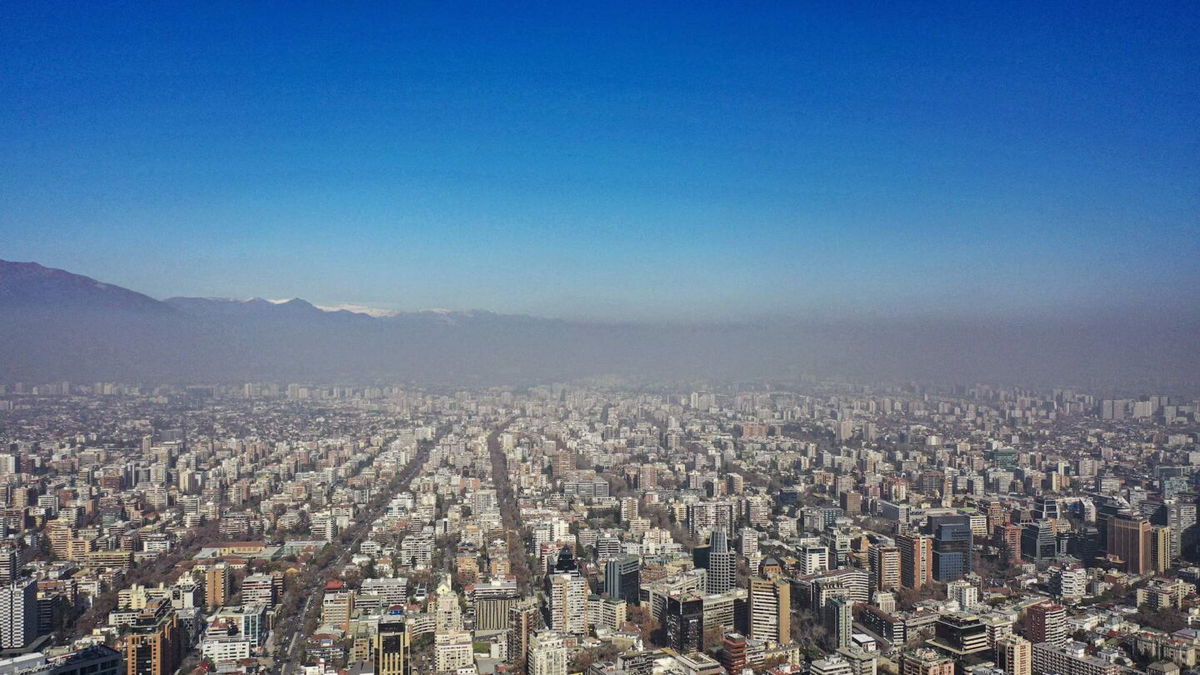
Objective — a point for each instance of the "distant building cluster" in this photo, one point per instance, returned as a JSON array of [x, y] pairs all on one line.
[[818, 527]]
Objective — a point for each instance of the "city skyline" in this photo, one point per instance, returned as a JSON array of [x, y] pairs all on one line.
[[624, 339]]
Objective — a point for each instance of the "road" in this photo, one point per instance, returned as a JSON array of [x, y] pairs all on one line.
[[316, 579], [510, 513]]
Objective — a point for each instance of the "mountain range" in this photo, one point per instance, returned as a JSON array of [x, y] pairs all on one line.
[[58, 325]]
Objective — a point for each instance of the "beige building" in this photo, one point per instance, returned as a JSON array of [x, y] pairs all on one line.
[[770, 609], [1015, 655]]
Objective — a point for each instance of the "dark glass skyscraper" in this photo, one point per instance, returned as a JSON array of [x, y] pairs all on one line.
[[685, 623], [622, 578], [952, 544]]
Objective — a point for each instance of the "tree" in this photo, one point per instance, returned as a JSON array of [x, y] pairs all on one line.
[[713, 636], [582, 660], [1166, 620], [618, 486], [806, 629], [645, 622], [906, 598]]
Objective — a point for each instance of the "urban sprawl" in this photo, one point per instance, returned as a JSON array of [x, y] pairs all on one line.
[[597, 528]]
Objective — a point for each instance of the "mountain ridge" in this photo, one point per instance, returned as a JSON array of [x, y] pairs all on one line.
[[35, 286], [58, 325]]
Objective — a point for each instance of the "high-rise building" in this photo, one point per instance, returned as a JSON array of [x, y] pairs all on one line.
[[844, 430], [523, 620], [770, 609], [492, 601], [1069, 583], [260, 588], [392, 649], [567, 593], [18, 613], [1107, 509], [216, 585], [884, 563], [337, 605], [564, 561], [452, 650], [547, 654], [647, 477], [814, 559], [1009, 540], [851, 502], [562, 463], [756, 510], [839, 622], [1046, 508], [722, 565], [733, 653], [916, 559], [705, 517], [629, 509], [447, 612], [1129, 540], [1070, 659], [612, 614], [964, 593], [1046, 622], [700, 556], [1180, 516], [9, 564], [995, 516], [952, 549], [1160, 548], [960, 635], [884, 600], [1015, 655], [154, 645], [748, 542], [1039, 541], [685, 622]]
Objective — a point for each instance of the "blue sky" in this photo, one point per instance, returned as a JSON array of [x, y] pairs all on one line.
[[615, 161]]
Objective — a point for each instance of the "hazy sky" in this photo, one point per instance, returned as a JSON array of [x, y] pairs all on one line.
[[619, 161]]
